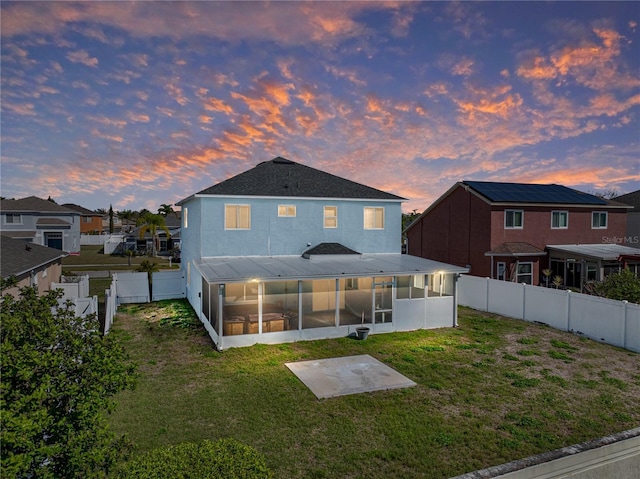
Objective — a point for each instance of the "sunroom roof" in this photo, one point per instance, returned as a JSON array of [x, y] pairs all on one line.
[[283, 268]]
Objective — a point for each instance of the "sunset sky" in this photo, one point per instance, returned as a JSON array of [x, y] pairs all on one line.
[[143, 103]]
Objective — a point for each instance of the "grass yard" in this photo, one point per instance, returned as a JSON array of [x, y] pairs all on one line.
[[491, 391], [90, 256]]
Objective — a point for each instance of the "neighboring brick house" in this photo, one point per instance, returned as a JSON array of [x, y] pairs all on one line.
[[90, 221], [42, 222], [632, 238], [502, 230], [30, 264], [285, 252]]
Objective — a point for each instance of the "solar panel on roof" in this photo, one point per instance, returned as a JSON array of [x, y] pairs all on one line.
[[532, 193]]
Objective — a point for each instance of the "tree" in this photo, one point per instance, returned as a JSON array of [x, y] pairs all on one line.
[[58, 374], [166, 210], [110, 219], [148, 267], [623, 286], [152, 223], [408, 218]]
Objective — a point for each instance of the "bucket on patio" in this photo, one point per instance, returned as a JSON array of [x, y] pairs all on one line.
[[362, 332]]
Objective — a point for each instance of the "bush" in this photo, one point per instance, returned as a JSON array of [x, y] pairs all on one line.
[[224, 459], [624, 285]]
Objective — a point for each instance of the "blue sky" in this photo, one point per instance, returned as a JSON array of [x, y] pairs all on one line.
[[137, 104]]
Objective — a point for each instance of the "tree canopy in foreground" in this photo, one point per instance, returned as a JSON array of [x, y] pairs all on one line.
[[58, 374]]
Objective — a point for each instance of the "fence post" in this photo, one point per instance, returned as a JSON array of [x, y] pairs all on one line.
[[486, 301], [524, 300], [568, 310], [624, 323]]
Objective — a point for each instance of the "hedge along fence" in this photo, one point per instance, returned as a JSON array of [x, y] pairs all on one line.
[[613, 322]]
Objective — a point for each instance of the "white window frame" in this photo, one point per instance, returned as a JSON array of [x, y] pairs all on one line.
[[235, 209], [514, 227], [13, 219], [330, 213], [185, 217], [559, 214], [519, 274], [371, 219], [287, 211], [599, 215]]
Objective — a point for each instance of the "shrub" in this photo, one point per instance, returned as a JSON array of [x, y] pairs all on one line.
[[624, 285], [223, 459]]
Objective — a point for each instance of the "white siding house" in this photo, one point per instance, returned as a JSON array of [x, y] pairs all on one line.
[[285, 252]]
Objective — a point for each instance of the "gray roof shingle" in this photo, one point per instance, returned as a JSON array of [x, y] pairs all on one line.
[[33, 204], [281, 177], [20, 257]]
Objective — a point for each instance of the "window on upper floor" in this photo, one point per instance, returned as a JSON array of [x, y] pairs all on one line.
[[12, 219], [599, 220], [237, 217], [87, 219], [330, 216], [374, 218], [185, 217], [559, 219], [287, 210], [513, 218]]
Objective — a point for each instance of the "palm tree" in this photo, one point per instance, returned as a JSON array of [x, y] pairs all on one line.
[[166, 210], [149, 267], [151, 223]]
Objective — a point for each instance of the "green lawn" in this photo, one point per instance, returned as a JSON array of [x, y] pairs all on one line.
[[90, 256], [491, 391]]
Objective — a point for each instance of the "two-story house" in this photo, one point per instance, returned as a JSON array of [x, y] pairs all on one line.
[[284, 252], [42, 222], [29, 265], [90, 221], [514, 231]]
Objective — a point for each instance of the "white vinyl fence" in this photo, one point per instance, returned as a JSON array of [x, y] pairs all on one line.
[[73, 286], [129, 287], [613, 322]]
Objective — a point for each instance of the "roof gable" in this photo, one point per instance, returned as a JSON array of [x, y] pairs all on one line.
[[532, 193], [80, 209], [631, 199], [281, 178]]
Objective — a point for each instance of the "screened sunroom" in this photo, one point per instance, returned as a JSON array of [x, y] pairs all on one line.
[[248, 300]]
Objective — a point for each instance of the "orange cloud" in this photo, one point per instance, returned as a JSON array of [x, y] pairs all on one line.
[[82, 56]]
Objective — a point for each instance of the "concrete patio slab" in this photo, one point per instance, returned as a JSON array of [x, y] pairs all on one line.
[[327, 378]]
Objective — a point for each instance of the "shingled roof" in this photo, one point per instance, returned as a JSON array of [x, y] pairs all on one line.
[[20, 257], [33, 204], [281, 177]]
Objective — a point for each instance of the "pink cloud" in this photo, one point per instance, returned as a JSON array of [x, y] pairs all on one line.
[[82, 56]]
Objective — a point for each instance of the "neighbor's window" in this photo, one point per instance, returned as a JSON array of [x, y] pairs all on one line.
[[374, 218], [185, 217], [13, 219], [330, 216], [87, 219], [237, 217], [513, 218], [287, 210], [599, 219], [525, 273], [559, 219]]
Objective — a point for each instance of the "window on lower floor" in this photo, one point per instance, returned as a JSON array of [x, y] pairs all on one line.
[[599, 220], [525, 273], [439, 284], [237, 217], [559, 219], [410, 287], [374, 218]]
